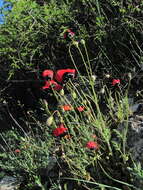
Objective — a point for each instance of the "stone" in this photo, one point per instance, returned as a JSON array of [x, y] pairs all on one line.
[[135, 137], [134, 144], [9, 183]]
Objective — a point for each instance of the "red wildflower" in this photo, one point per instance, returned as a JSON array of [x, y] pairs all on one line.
[[60, 74], [17, 151], [115, 81], [52, 84], [66, 107], [80, 108], [60, 131], [48, 73], [69, 33], [92, 145]]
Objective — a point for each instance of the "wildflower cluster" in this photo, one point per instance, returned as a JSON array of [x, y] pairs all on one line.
[[56, 80], [68, 107], [61, 131]]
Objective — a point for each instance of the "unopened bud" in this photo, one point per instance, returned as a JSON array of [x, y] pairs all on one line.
[[74, 95], [75, 43], [82, 41], [102, 91], [93, 77], [84, 102], [50, 121], [62, 92], [107, 76], [130, 76]]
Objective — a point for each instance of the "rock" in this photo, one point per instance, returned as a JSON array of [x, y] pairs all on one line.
[[135, 137], [134, 145], [50, 170], [9, 183], [51, 163]]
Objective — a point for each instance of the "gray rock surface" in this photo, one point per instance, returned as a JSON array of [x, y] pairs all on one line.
[[134, 143], [135, 137], [9, 183]]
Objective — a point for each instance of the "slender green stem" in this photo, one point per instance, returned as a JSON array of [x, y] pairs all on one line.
[[121, 182], [85, 64], [88, 59]]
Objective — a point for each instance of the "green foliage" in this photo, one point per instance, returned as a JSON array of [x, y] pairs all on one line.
[[31, 36], [28, 148], [29, 33]]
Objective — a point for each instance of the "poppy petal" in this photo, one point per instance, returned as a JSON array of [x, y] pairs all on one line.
[[92, 145], [48, 73], [115, 81], [59, 131], [60, 73]]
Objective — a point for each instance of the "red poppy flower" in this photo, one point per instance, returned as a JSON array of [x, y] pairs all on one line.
[[60, 131], [92, 145], [52, 84], [115, 81], [48, 73], [69, 33], [17, 151], [80, 108], [67, 107], [60, 74]]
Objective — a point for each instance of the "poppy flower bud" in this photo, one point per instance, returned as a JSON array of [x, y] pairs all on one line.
[[85, 102], [93, 77], [130, 76], [74, 95], [107, 76], [76, 43], [62, 93], [82, 41], [102, 91], [50, 121]]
